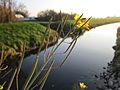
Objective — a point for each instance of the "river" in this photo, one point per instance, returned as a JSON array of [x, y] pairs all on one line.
[[91, 53]]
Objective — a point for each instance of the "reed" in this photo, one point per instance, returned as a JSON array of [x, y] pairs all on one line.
[[48, 58]]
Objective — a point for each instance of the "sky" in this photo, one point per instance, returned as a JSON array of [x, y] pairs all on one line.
[[94, 8]]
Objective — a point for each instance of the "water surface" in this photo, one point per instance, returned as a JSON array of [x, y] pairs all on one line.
[[91, 53]]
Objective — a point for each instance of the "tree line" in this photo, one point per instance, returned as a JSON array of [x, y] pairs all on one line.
[[47, 14]]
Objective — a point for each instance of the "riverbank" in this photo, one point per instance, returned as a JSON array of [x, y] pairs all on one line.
[[14, 35], [116, 59], [94, 22]]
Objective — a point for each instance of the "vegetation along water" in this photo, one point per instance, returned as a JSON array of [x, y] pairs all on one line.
[[65, 57]]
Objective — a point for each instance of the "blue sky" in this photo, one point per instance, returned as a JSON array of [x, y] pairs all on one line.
[[95, 8]]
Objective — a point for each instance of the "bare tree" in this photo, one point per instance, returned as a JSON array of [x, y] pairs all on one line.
[[21, 8], [46, 15], [8, 9]]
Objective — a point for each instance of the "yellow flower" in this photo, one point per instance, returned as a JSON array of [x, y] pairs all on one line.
[[76, 17], [1, 87], [82, 85], [80, 23]]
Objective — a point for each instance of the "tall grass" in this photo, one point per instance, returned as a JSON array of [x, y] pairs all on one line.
[[49, 59]]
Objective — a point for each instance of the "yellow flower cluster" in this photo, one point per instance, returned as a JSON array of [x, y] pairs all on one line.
[[81, 22]]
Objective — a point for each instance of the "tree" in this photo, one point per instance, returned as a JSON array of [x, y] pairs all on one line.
[[8, 10], [46, 15], [21, 8]]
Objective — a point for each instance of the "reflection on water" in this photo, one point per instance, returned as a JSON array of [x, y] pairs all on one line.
[[110, 78], [92, 52], [111, 74]]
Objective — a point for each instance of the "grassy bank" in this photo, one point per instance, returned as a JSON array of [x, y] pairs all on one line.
[[116, 60], [94, 22], [118, 37], [13, 35]]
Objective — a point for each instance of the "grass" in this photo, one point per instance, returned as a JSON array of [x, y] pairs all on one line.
[[13, 35], [49, 59], [116, 59], [54, 25], [118, 38], [94, 22], [118, 42]]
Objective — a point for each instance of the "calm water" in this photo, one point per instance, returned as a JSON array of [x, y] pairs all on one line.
[[91, 53]]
